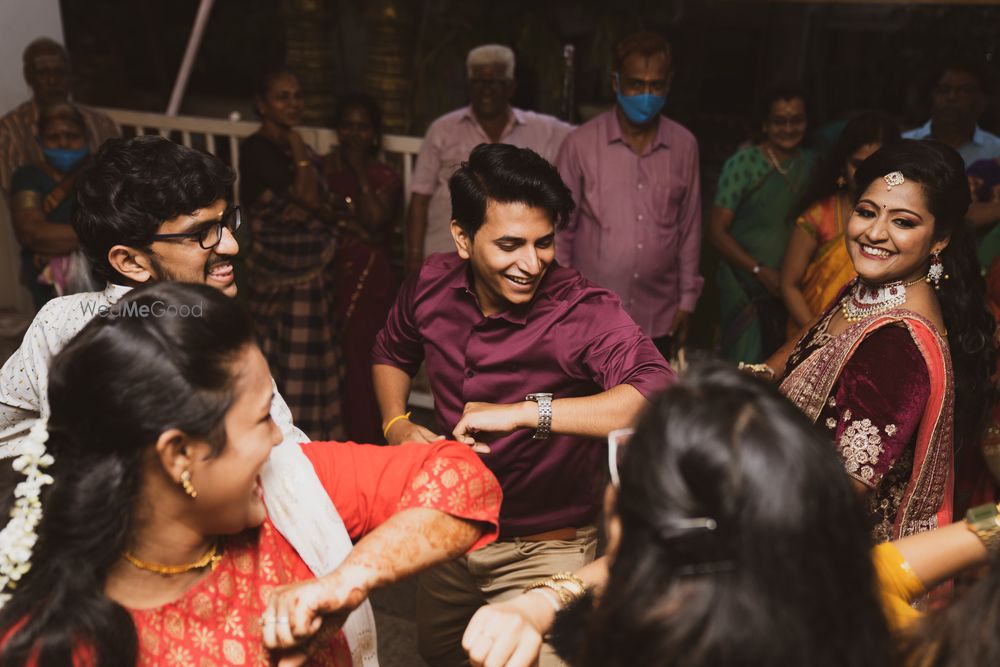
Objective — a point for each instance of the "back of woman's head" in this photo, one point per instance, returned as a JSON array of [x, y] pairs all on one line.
[[940, 171], [742, 541], [159, 359], [865, 129]]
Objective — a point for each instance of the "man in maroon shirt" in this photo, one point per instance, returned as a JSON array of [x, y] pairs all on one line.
[[530, 363]]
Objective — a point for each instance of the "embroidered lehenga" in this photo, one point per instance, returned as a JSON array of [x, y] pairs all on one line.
[[884, 390]]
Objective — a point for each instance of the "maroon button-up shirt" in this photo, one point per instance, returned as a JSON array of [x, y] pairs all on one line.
[[573, 339]]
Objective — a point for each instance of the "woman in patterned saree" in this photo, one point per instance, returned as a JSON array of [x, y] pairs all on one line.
[[175, 532], [290, 267], [897, 369], [816, 264]]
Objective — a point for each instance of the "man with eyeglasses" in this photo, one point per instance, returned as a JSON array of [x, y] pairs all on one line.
[[489, 118], [958, 99], [147, 209], [634, 177]]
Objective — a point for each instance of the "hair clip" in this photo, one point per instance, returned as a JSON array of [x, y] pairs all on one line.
[[892, 179]]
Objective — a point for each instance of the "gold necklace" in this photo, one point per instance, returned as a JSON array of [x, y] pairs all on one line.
[[211, 559], [774, 161]]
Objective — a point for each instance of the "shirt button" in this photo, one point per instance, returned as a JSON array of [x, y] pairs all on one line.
[[640, 186], [639, 217], [635, 275], [639, 246]]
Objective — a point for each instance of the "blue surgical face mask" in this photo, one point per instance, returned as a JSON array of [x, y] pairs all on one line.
[[65, 160], [640, 109]]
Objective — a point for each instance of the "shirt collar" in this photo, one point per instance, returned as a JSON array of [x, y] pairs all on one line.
[[614, 131], [980, 137], [518, 315], [517, 118], [113, 292]]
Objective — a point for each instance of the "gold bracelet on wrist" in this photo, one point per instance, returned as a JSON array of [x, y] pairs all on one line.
[[566, 585], [385, 429], [759, 370]]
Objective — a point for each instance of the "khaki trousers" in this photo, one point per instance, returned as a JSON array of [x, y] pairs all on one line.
[[449, 594]]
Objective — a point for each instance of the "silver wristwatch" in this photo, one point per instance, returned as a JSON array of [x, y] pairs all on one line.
[[544, 401]]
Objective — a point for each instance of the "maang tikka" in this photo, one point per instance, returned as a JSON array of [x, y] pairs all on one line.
[[892, 179]]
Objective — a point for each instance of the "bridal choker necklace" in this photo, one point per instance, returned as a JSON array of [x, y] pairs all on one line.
[[865, 301]]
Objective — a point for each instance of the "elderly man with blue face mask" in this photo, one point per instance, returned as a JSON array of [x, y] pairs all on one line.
[[636, 229]]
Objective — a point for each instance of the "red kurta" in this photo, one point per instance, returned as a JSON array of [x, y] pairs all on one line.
[[217, 622]]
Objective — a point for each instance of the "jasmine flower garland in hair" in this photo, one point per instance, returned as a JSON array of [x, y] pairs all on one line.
[[18, 537]]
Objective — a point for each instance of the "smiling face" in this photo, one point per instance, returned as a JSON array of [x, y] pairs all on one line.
[[230, 497], [490, 91], [509, 254], [785, 125], [890, 235], [283, 104], [186, 261]]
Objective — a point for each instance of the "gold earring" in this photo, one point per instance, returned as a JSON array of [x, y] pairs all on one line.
[[187, 485]]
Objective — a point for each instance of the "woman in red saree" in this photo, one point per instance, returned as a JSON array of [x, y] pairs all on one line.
[[897, 368], [367, 194], [175, 532]]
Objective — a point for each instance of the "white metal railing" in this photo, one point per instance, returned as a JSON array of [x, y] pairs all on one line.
[[209, 133]]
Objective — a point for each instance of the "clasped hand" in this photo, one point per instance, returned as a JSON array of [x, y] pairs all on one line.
[[297, 613], [493, 418]]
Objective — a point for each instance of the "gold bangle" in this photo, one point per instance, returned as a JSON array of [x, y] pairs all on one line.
[[566, 585], [756, 369], [385, 429], [303, 163]]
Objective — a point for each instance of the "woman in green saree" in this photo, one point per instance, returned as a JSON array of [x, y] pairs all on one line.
[[749, 226]]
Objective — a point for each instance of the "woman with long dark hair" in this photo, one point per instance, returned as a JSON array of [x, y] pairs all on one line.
[[734, 539], [816, 265], [151, 499], [897, 370]]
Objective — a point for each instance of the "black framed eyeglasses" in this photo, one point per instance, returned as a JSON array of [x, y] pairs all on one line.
[[210, 235]]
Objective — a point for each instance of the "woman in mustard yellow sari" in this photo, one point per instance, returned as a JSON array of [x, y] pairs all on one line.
[[816, 265]]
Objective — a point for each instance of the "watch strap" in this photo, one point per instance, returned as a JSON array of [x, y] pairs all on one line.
[[544, 402]]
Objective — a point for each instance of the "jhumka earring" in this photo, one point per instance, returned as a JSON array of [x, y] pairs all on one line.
[[841, 182], [936, 272], [892, 179], [187, 485]]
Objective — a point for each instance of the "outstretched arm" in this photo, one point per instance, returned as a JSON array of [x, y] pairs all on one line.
[[586, 416], [406, 543]]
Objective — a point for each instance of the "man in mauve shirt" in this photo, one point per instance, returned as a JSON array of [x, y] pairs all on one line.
[[497, 322], [634, 177], [488, 118]]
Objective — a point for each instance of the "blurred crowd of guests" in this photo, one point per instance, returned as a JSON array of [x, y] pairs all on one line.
[[318, 245]]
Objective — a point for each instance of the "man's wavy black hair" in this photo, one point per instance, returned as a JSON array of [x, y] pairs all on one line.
[[135, 185], [506, 174]]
